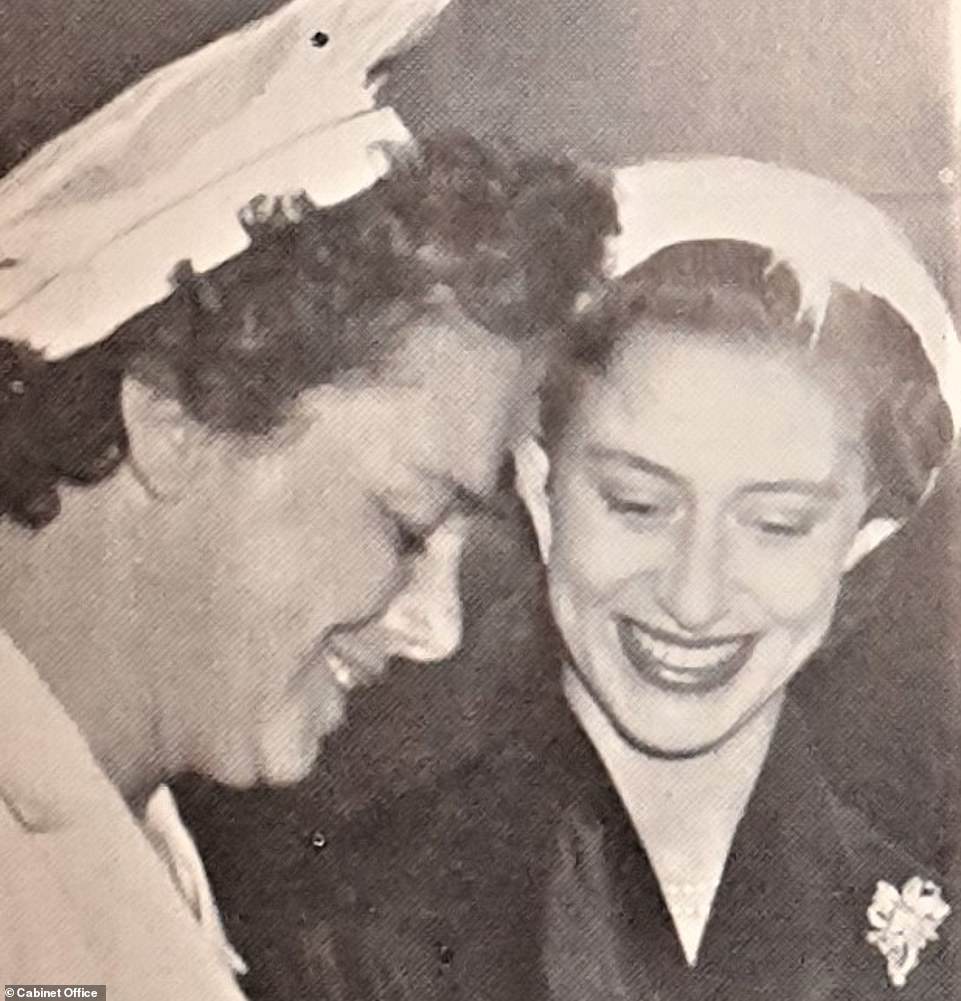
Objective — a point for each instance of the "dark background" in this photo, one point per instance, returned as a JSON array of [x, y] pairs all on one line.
[[859, 91]]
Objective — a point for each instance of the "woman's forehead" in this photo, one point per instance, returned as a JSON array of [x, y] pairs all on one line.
[[447, 408], [463, 376], [700, 405], [445, 343]]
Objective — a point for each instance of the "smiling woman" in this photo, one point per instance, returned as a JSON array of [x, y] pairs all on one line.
[[279, 453], [249, 498], [732, 429], [719, 458], [234, 487], [747, 407]]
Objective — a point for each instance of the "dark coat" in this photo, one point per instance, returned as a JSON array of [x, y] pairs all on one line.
[[517, 877]]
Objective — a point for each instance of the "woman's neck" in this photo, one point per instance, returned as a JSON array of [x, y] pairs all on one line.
[[685, 810]]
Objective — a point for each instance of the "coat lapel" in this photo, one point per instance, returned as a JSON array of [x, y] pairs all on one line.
[[789, 921], [783, 915], [525, 881]]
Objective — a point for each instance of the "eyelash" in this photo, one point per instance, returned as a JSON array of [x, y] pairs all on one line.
[[782, 531], [651, 511], [647, 512], [635, 509], [410, 540]]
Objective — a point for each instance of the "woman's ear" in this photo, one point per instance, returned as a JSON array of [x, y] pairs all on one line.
[[164, 441], [870, 535], [532, 471]]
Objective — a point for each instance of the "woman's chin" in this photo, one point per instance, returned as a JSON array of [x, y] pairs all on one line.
[[679, 726], [679, 744], [283, 746], [289, 747], [284, 771]]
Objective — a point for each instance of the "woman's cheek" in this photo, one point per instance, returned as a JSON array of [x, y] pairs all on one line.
[[370, 575], [794, 584], [603, 553], [582, 543]]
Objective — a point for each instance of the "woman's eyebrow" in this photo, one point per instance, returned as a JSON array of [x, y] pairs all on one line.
[[823, 490], [622, 457]]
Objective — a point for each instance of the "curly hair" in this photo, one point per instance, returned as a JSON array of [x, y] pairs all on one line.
[[736, 290], [318, 292]]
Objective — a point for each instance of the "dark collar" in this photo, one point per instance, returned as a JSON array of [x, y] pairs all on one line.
[[790, 917]]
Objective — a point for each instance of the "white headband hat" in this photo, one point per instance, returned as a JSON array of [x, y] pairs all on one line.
[[92, 225], [823, 231]]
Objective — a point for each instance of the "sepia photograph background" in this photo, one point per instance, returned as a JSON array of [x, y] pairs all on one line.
[[860, 91]]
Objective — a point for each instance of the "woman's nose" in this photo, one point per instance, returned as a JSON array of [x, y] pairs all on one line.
[[425, 621], [692, 587]]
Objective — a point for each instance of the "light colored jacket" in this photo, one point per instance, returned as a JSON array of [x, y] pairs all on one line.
[[84, 897], [92, 225]]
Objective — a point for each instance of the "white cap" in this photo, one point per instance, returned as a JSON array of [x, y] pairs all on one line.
[[92, 225], [825, 232]]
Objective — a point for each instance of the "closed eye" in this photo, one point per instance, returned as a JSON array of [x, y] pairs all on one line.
[[410, 539], [636, 509], [785, 530], [643, 509]]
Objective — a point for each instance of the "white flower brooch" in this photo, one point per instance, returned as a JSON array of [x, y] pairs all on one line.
[[902, 924]]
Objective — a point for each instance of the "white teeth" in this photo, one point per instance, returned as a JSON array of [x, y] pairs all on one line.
[[341, 672], [683, 657]]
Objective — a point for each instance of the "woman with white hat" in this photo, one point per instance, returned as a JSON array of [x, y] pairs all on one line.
[[763, 393], [237, 459]]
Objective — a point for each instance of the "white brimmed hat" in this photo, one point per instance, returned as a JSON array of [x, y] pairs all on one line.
[[92, 225], [824, 232]]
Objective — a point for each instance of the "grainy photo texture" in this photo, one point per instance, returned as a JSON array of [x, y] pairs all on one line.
[[480, 508]]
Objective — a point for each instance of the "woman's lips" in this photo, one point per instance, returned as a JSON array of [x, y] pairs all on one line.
[[350, 672], [674, 664]]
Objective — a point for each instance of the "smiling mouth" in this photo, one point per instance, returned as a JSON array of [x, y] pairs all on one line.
[[350, 673], [675, 664]]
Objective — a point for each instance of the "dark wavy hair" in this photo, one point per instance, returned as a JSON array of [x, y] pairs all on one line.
[[318, 292], [735, 290]]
